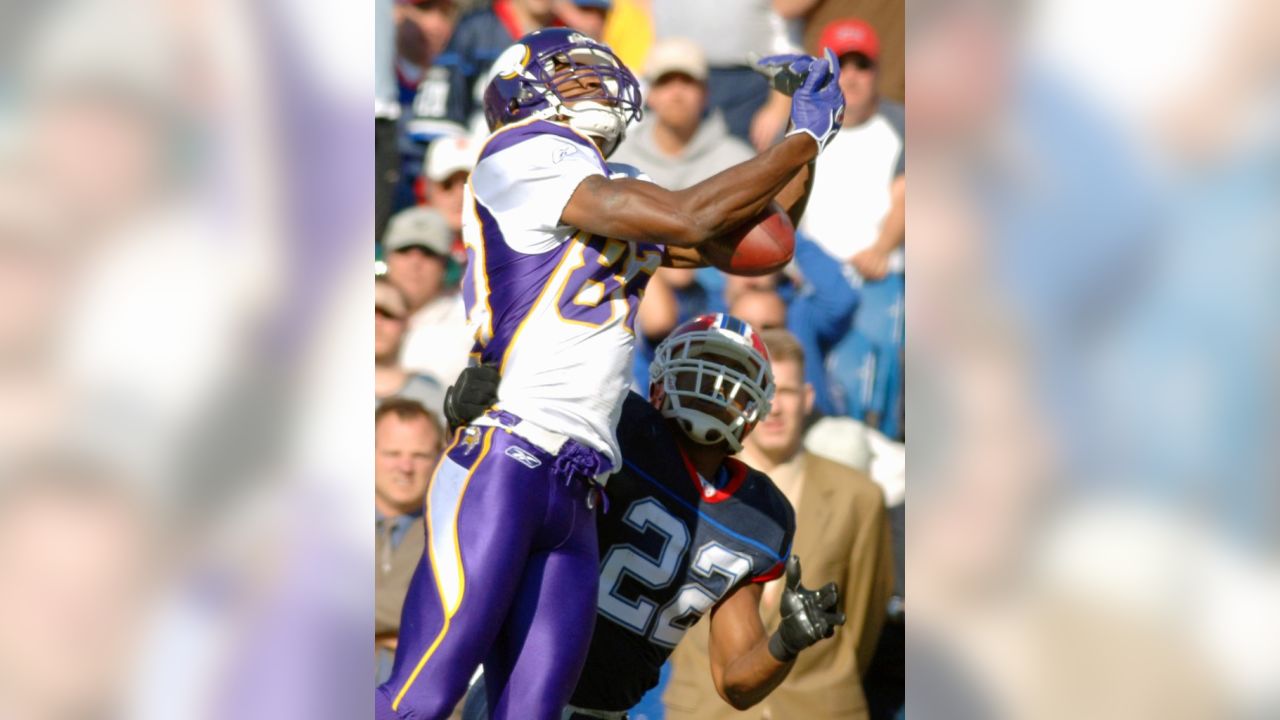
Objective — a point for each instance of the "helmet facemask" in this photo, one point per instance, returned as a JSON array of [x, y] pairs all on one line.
[[715, 388], [603, 112], [547, 88]]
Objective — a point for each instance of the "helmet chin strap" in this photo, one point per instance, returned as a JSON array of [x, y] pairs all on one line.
[[707, 430], [598, 122]]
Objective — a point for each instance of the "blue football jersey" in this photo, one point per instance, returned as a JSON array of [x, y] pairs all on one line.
[[670, 549], [449, 100]]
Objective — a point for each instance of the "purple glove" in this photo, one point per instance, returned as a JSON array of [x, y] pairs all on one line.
[[817, 108]]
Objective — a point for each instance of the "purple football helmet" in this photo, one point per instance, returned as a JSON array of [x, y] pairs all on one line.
[[523, 84]]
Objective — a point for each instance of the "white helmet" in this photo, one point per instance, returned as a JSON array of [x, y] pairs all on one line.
[[712, 376]]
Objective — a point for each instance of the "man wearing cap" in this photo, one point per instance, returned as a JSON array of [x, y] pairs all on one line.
[[417, 246], [679, 143], [865, 162], [730, 33], [447, 166], [868, 162], [391, 379]]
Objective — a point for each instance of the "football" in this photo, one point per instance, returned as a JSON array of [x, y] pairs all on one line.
[[760, 246]]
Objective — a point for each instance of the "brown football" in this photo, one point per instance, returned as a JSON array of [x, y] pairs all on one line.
[[759, 246]]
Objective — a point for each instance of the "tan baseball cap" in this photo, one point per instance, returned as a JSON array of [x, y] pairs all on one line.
[[419, 226], [676, 55]]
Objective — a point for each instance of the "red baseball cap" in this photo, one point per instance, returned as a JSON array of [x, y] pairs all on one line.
[[850, 35]]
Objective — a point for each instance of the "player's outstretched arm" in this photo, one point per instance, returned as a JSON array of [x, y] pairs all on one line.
[[747, 665], [640, 211], [792, 198]]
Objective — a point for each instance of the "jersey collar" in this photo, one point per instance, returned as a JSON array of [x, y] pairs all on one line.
[[708, 492]]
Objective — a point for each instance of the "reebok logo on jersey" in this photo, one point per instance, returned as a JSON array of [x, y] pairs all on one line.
[[523, 457], [558, 155]]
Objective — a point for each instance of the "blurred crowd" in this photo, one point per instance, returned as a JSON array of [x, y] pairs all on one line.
[[842, 297]]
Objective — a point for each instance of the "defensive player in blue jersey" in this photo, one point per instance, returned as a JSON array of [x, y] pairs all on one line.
[[560, 246], [691, 530]]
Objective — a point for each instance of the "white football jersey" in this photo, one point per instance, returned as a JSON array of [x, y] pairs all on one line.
[[552, 307]]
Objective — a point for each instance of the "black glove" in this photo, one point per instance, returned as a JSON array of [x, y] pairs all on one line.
[[475, 390], [807, 615]]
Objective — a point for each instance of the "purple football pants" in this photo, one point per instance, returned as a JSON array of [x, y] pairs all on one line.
[[508, 580]]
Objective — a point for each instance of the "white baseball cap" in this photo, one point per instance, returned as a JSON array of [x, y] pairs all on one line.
[[448, 155], [676, 55]]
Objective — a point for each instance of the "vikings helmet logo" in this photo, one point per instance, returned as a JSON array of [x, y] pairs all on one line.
[[470, 440]]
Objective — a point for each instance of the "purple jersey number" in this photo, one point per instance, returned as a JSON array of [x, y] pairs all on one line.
[[608, 282]]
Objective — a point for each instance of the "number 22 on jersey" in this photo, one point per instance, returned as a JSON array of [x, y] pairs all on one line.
[[714, 571]]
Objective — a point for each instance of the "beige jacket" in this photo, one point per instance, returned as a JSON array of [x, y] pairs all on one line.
[[842, 534]]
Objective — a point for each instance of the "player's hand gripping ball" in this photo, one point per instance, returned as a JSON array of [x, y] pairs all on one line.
[[760, 246]]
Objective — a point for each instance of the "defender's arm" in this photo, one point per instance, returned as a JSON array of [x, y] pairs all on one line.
[[745, 664], [743, 669]]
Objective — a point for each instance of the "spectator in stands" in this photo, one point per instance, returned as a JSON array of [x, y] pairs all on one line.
[[841, 536], [698, 291], [408, 440], [817, 309], [811, 17], [447, 166], [390, 379], [680, 142], [762, 308], [866, 160], [417, 245], [450, 99], [586, 16], [386, 113], [865, 368], [728, 36], [423, 29]]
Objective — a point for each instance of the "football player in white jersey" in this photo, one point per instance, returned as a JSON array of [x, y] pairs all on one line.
[[560, 246]]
